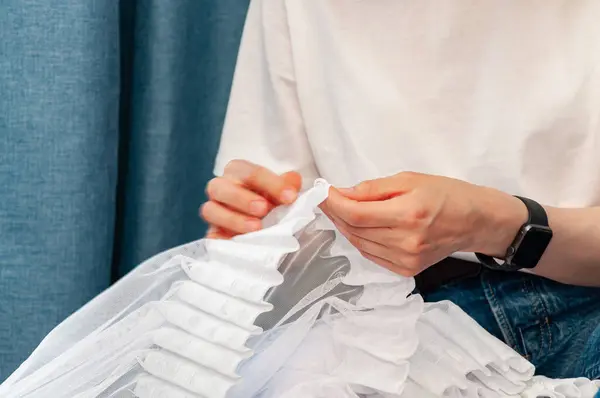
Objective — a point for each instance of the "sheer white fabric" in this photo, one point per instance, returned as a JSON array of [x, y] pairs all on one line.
[[290, 311]]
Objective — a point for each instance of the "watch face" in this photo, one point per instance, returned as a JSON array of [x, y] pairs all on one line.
[[535, 240]]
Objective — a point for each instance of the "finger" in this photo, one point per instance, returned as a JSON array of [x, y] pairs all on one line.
[[293, 179], [361, 214], [218, 215], [236, 197], [370, 234], [371, 250], [215, 232], [368, 246], [279, 189], [382, 188]]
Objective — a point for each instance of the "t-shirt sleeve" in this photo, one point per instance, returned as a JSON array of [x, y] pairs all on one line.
[[264, 122]]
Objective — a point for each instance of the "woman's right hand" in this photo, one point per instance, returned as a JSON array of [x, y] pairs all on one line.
[[238, 201]]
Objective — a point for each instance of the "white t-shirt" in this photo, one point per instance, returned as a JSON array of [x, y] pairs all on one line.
[[503, 94]]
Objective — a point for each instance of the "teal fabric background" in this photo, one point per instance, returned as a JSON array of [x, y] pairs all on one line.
[[110, 115]]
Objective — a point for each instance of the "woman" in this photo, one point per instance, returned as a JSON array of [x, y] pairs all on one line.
[[440, 112]]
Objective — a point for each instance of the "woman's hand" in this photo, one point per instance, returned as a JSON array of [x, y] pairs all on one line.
[[243, 196], [410, 221]]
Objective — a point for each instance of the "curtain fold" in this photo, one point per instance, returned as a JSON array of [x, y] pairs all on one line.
[[110, 116]]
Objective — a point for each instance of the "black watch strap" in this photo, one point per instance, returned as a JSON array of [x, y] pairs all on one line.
[[537, 214], [537, 223]]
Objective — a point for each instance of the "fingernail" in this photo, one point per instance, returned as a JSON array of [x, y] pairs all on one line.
[[258, 207], [288, 196], [253, 225]]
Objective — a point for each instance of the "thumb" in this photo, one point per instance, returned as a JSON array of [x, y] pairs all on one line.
[[375, 190], [292, 179]]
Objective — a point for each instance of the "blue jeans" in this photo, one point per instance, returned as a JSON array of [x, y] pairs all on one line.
[[555, 326]]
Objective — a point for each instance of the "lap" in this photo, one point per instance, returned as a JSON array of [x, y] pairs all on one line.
[[555, 326]]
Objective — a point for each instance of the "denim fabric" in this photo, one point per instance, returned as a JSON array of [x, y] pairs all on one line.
[[110, 117], [555, 326]]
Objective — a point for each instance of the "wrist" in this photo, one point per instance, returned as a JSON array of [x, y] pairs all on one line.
[[501, 217]]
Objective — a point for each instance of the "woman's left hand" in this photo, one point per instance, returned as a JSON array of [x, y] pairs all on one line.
[[410, 221]]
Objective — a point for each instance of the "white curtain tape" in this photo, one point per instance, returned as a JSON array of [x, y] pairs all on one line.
[[290, 311]]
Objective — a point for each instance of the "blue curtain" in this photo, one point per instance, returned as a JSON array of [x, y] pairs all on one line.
[[110, 114]]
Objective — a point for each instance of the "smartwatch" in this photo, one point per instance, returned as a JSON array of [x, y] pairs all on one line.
[[529, 245]]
